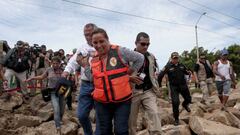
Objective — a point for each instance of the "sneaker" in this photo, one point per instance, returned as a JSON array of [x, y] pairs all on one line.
[[176, 122], [186, 107]]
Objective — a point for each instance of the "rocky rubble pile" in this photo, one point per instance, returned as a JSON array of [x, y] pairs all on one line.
[[36, 118]]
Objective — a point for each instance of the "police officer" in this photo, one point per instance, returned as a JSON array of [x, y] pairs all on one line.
[[176, 72]]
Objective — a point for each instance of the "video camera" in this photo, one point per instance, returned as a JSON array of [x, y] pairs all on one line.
[[35, 50]]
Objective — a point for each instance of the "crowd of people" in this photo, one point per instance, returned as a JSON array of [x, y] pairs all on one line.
[[115, 80]]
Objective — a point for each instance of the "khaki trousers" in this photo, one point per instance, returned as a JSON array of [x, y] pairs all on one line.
[[206, 87], [20, 76], [148, 100]]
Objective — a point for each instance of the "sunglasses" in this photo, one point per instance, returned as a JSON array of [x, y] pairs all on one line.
[[144, 44], [100, 41]]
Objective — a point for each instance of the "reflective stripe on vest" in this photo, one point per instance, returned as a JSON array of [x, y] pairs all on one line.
[[111, 81]]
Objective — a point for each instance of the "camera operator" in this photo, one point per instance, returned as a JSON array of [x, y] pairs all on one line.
[[17, 63], [42, 63], [4, 48]]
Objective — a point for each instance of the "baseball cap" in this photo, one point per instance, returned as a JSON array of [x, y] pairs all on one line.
[[174, 55], [224, 52], [20, 43]]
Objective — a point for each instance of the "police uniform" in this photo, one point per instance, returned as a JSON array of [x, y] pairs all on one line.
[[178, 85]]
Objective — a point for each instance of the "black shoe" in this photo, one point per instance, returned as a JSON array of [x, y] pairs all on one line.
[[186, 107], [176, 123]]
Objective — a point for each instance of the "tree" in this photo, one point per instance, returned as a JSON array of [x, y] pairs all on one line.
[[190, 58]]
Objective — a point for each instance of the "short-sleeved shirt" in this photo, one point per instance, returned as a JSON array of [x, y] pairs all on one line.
[[53, 76]]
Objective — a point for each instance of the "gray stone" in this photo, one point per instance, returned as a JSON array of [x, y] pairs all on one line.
[[202, 126]]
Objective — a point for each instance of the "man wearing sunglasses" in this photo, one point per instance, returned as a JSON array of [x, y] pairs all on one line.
[[176, 72], [204, 76], [145, 89], [224, 77]]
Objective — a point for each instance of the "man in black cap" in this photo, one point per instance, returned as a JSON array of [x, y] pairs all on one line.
[[176, 72], [17, 63]]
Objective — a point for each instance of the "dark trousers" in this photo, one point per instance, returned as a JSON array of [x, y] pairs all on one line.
[[118, 113], [175, 91]]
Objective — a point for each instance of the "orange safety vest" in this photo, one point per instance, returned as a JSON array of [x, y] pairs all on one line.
[[111, 80]]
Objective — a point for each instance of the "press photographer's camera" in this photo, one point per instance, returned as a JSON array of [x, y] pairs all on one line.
[[35, 49]]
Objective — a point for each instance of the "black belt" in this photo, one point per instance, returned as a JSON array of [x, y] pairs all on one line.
[[86, 81]]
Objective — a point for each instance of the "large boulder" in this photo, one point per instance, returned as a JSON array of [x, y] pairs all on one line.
[[176, 130], [46, 112], [27, 121], [226, 118], [166, 116], [195, 111], [202, 126], [233, 99], [15, 101]]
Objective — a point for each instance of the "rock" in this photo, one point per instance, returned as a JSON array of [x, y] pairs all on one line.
[[27, 121], [46, 112], [166, 116], [143, 132], [237, 106], [235, 112], [195, 111], [15, 101], [233, 99], [47, 128], [196, 97], [202, 126], [69, 128], [176, 130], [3, 122], [226, 118], [80, 131]]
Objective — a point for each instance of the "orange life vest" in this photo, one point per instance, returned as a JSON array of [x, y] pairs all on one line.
[[111, 81]]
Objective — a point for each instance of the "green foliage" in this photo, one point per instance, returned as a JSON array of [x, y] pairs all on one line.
[[190, 58]]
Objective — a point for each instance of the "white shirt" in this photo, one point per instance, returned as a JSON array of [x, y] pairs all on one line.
[[223, 69], [72, 64]]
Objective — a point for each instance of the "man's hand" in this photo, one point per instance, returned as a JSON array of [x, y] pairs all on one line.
[[65, 74], [136, 79], [223, 77], [83, 61]]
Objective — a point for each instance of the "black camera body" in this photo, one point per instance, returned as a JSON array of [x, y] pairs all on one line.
[[35, 50]]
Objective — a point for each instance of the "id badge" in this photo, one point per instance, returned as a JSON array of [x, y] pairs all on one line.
[[142, 75]]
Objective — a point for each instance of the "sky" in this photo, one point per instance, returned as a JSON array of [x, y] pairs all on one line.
[[169, 23]]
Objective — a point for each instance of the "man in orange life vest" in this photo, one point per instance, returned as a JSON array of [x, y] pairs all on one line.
[[112, 92]]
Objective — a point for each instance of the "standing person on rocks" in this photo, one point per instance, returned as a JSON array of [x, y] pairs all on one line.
[[112, 92], [17, 63], [145, 86], [204, 76], [53, 74], [223, 70], [85, 100], [176, 72]]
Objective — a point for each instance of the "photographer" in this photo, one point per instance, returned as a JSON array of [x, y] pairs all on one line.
[[17, 63], [42, 63], [4, 48]]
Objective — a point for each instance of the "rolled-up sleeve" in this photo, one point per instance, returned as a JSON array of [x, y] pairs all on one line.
[[136, 58], [72, 64]]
